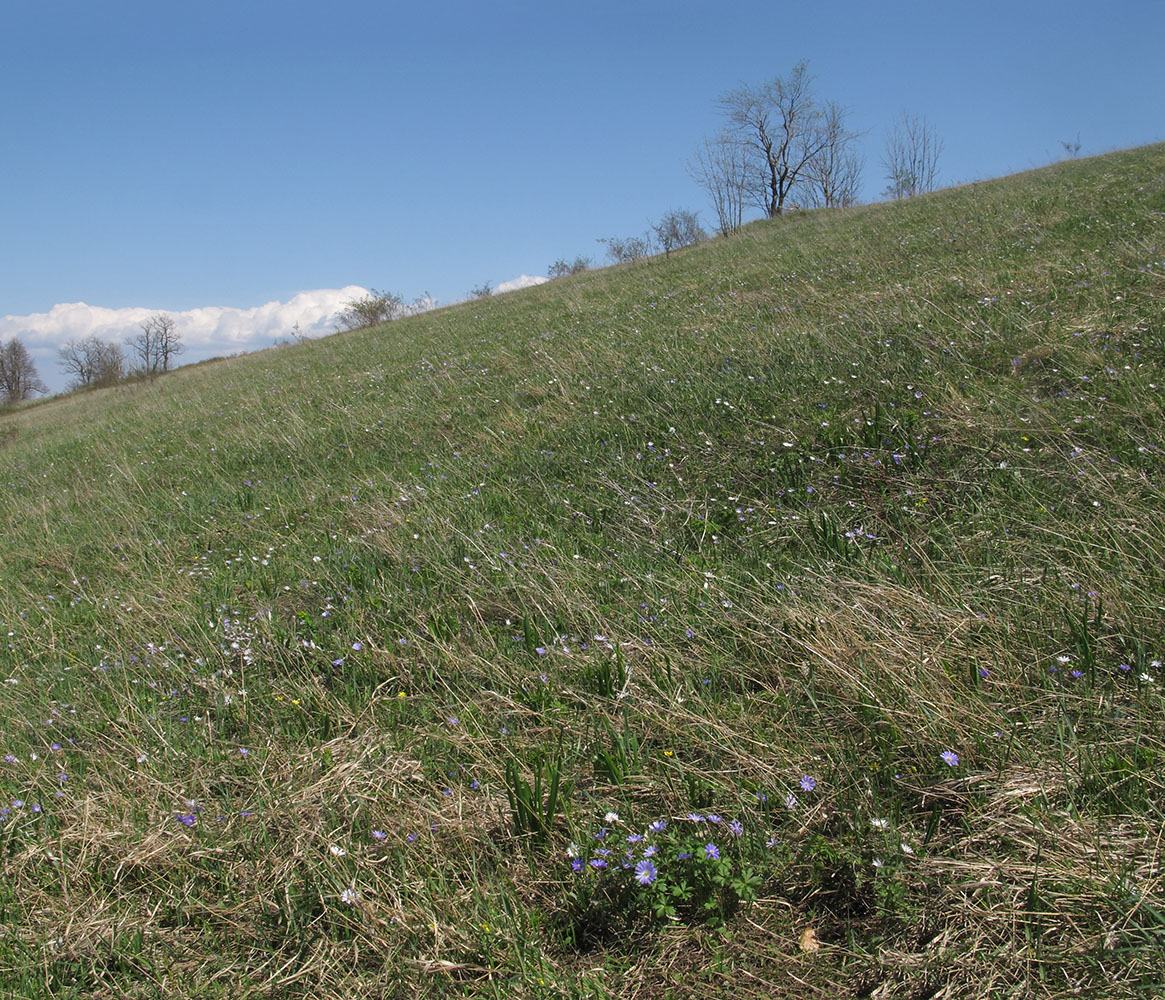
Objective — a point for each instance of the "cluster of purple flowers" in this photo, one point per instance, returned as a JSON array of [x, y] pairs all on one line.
[[644, 868], [18, 805]]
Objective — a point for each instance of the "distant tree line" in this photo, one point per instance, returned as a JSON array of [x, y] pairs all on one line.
[[93, 362], [96, 363], [781, 147]]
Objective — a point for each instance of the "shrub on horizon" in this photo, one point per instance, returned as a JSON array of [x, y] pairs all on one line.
[[561, 268], [373, 309], [679, 228]]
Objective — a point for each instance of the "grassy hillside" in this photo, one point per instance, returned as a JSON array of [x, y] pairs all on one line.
[[830, 555]]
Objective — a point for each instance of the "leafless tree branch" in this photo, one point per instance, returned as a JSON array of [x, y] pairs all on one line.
[[911, 159], [721, 168]]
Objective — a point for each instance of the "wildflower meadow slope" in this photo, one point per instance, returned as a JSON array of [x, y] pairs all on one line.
[[783, 618]]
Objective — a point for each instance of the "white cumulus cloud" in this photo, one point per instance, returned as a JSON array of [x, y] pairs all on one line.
[[206, 331], [522, 281]]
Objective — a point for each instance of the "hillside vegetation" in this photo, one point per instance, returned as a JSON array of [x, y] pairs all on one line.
[[830, 555]]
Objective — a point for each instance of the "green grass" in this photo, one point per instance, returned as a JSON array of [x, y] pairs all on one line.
[[407, 612]]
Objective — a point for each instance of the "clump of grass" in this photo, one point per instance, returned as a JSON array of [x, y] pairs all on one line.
[[533, 813]]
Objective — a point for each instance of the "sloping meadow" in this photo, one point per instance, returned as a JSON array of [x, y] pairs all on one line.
[[780, 618]]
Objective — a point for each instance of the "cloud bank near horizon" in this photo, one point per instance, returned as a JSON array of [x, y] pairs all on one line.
[[215, 327], [206, 332]]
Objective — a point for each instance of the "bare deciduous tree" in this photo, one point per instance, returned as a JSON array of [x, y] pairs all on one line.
[[782, 124], [721, 168], [18, 377], [835, 175], [158, 343], [92, 362], [911, 160]]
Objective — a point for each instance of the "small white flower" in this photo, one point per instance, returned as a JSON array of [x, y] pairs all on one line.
[[879, 824], [349, 896], [338, 851], [611, 817], [572, 850], [907, 849], [878, 863]]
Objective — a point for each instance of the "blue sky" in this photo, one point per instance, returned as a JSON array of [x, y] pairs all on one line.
[[233, 156]]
